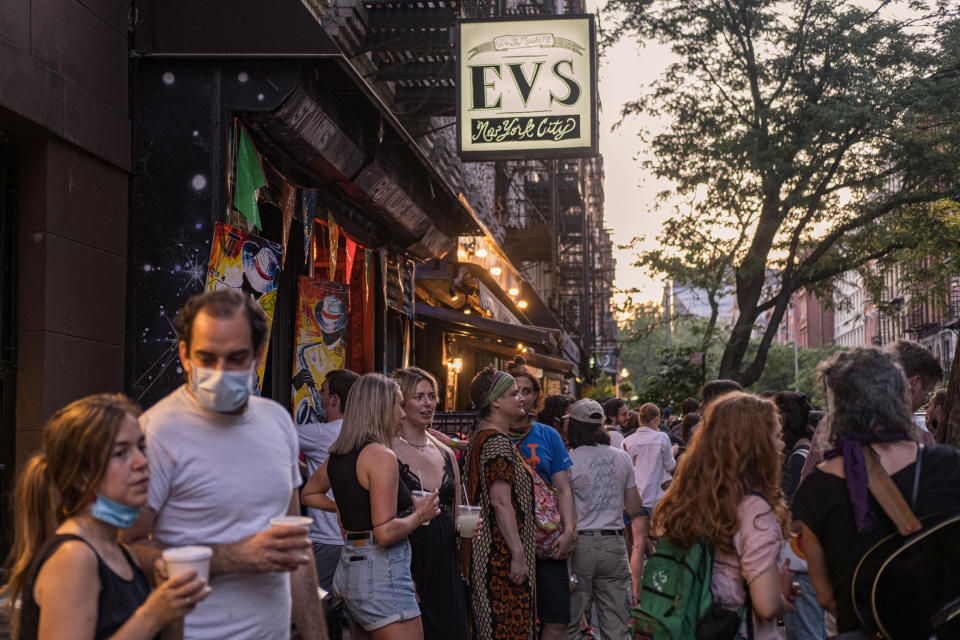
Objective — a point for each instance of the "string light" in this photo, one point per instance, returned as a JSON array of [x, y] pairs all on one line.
[[481, 253], [496, 270], [514, 291], [522, 304]]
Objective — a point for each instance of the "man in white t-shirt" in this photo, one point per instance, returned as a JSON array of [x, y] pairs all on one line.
[[604, 488], [315, 440], [223, 463]]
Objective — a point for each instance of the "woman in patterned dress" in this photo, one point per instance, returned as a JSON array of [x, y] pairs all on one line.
[[500, 558]]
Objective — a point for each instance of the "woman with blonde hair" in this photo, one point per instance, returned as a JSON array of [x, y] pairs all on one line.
[[67, 567], [426, 464], [376, 510], [727, 490]]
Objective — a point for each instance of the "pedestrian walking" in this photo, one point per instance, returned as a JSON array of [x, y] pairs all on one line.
[[500, 559], [224, 463], [604, 488], [806, 623], [867, 397], [67, 568], [651, 459], [727, 491]]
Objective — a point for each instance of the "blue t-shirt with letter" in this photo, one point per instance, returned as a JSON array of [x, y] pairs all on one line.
[[544, 451]]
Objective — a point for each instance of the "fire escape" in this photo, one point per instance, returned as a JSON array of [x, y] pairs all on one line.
[[407, 47]]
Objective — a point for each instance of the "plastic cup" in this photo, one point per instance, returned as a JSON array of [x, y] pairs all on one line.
[[417, 493], [182, 559], [468, 516], [293, 521]]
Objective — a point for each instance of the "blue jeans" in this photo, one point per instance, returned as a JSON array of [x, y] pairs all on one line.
[[375, 583], [807, 622]]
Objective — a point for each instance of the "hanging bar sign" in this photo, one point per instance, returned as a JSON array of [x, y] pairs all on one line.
[[527, 88]]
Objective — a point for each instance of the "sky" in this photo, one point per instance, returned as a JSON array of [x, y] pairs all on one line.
[[629, 191]]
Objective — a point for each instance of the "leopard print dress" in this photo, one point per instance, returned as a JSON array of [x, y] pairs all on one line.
[[501, 609]]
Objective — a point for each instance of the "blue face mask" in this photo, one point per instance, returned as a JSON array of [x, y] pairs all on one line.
[[119, 515], [221, 391]]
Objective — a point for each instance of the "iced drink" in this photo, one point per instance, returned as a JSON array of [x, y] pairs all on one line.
[[467, 518]]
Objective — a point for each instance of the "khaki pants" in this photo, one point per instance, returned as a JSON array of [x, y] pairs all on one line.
[[603, 577]]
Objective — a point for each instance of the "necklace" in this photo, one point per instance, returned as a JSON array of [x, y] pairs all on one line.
[[420, 447]]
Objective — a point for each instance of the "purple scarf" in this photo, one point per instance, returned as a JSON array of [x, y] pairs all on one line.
[[855, 470]]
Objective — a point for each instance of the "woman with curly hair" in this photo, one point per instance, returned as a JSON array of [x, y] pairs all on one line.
[[727, 489]]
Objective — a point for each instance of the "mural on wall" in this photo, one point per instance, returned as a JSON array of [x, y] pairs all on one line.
[[248, 264], [322, 313]]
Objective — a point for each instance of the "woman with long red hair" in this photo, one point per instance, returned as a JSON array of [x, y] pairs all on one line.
[[727, 490]]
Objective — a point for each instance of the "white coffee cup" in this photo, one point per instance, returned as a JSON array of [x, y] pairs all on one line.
[[294, 521], [290, 521], [182, 559]]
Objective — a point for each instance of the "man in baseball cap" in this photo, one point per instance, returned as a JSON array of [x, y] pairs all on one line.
[[587, 411]]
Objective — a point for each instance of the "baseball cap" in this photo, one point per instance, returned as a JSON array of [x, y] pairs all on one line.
[[586, 410]]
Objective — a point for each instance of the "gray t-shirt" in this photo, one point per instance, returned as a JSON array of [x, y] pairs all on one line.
[[315, 440], [217, 478], [599, 476]]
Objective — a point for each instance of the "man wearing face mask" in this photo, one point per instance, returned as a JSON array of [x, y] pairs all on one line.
[[223, 464]]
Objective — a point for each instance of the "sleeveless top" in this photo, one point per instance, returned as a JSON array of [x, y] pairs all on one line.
[[118, 599], [352, 499]]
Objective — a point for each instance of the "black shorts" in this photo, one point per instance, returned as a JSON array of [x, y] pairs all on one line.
[[553, 591]]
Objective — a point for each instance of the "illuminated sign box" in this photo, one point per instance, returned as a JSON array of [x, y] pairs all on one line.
[[527, 88]]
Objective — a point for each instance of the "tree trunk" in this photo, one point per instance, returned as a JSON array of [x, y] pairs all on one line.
[[949, 428]]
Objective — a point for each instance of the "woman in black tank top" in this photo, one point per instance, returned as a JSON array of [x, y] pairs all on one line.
[[73, 577], [376, 509]]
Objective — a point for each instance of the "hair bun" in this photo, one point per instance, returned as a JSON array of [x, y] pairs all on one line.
[[519, 360]]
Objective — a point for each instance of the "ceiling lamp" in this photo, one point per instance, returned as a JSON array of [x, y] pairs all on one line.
[[461, 254], [481, 253], [522, 304], [514, 291], [496, 270]]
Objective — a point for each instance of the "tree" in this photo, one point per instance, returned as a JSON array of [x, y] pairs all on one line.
[[778, 374], [807, 136], [602, 389]]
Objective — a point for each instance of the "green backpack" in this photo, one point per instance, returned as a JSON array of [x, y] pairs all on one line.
[[676, 601]]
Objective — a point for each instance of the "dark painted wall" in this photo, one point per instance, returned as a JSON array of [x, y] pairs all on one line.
[[63, 102]]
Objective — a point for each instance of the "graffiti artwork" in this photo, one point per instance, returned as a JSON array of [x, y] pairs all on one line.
[[322, 312], [248, 264]]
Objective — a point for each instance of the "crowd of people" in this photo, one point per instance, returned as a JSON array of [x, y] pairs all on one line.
[[573, 498]]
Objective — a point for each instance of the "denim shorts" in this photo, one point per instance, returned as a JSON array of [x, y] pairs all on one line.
[[375, 583]]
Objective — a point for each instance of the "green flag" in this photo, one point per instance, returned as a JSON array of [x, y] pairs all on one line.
[[250, 178]]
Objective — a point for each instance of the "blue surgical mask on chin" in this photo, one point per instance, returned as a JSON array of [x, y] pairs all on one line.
[[221, 391], [115, 513]]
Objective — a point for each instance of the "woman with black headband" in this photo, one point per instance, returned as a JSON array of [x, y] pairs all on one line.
[[500, 558]]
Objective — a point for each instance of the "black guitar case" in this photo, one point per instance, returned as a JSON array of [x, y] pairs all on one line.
[[908, 586]]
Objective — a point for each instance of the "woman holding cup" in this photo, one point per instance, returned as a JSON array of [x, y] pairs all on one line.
[[376, 510], [426, 464], [67, 566]]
